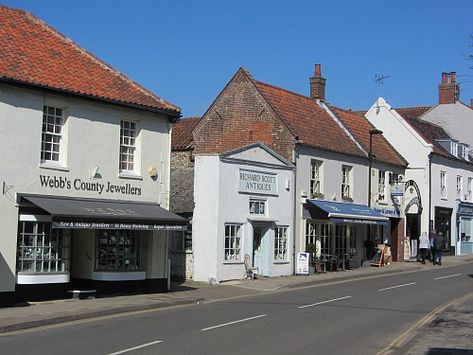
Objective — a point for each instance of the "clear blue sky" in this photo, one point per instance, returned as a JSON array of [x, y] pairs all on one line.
[[186, 51]]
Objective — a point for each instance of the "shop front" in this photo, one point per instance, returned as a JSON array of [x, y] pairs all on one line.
[[243, 214], [443, 218], [111, 246], [343, 231], [465, 228]]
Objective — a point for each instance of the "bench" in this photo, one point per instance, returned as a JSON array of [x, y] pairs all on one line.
[[83, 294]]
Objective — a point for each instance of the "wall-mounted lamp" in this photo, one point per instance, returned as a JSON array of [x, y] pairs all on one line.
[[153, 172]]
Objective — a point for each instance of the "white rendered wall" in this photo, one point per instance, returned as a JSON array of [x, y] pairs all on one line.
[[217, 201], [91, 138]]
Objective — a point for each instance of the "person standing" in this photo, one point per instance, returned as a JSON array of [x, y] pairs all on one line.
[[439, 249], [433, 245], [424, 246]]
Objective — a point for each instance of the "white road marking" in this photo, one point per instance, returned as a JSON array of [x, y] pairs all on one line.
[[234, 322], [389, 288], [136, 347], [446, 277], [328, 301]]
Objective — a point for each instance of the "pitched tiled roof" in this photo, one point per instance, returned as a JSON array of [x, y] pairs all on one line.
[[359, 127], [430, 132], [181, 137], [307, 120], [412, 112], [33, 53]]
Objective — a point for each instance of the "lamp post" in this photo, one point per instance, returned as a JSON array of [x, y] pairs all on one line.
[[370, 158]]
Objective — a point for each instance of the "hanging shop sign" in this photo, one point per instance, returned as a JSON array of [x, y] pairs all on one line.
[[78, 184], [257, 182]]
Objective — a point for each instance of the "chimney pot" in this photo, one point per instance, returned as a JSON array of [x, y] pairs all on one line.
[[471, 103], [449, 90], [317, 84]]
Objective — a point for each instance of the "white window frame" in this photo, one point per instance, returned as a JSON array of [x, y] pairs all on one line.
[[52, 135], [346, 192], [443, 184], [128, 155], [48, 249], [470, 190], [280, 243], [382, 197], [316, 179], [257, 207], [232, 247], [459, 187], [454, 148]]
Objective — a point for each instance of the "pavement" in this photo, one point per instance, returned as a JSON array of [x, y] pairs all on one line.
[[445, 329]]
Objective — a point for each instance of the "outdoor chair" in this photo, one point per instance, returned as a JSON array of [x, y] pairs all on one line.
[[250, 271]]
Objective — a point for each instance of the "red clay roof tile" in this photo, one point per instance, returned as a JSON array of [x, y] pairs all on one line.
[[307, 120], [182, 133], [34, 53]]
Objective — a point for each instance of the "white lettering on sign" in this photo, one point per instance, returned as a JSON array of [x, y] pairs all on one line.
[[258, 182]]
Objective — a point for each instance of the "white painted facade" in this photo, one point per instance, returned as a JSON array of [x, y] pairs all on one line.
[[424, 169], [331, 182], [90, 143], [221, 201]]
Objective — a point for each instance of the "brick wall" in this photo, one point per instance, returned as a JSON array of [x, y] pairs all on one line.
[[240, 116]]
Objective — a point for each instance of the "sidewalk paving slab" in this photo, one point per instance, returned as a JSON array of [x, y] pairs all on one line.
[[190, 292]]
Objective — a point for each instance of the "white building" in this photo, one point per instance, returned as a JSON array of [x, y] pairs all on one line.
[[85, 173], [243, 206], [439, 175]]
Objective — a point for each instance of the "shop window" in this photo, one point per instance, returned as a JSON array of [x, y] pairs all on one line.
[[280, 244], [443, 184], [51, 137], [181, 241], [316, 173], [257, 207], [42, 249], [127, 146], [341, 234], [232, 242], [459, 187], [382, 186], [466, 229], [120, 250], [346, 183], [318, 238]]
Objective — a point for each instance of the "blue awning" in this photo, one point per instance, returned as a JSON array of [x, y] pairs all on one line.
[[343, 212]]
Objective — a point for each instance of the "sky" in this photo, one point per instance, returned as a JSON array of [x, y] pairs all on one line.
[[186, 51]]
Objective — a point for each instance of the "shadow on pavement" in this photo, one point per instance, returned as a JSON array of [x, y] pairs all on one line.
[[446, 351]]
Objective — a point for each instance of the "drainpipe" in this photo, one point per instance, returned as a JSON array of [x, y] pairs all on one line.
[[430, 191], [296, 204]]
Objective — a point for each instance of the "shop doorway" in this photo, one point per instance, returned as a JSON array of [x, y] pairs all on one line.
[[443, 216], [261, 249]]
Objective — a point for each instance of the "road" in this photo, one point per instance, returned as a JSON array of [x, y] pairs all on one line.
[[357, 317]]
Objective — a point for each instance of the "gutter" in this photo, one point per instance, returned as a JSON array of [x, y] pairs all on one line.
[[430, 190], [173, 114]]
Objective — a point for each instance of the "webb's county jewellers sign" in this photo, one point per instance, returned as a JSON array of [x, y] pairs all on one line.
[[64, 183], [257, 182]]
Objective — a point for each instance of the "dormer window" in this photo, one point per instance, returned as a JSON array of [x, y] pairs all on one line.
[[463, 151], [454, 148]]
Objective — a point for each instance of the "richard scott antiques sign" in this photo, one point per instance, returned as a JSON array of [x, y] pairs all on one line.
[[257, 182]]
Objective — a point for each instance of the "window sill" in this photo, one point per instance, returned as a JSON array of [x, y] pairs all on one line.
[[382, 203], [52, 166], [444, 199], [233, 262], [130, 176], [280, 262]]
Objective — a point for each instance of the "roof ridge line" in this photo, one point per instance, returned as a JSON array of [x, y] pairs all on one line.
[[96, 60]]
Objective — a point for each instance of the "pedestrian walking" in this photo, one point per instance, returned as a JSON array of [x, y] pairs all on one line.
[[424, 246], [433, 245], [439, 248]]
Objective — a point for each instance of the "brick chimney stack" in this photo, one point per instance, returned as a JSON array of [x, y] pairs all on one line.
[[317, 84], [449, 90]]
